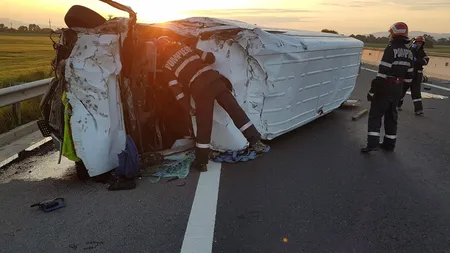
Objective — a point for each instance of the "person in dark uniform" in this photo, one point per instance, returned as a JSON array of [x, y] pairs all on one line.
[[395, 69], [187, 69], [420, 59]]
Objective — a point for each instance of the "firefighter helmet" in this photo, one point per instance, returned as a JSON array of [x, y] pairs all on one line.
[[399, 29], [165, 41], [419, 39]]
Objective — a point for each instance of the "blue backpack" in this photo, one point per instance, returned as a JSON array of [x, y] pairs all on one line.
[[128, 160]]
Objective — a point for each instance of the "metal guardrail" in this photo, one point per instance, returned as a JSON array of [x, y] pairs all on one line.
[[15, 94]]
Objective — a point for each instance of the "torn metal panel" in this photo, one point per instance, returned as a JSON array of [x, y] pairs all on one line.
[[92, 73]]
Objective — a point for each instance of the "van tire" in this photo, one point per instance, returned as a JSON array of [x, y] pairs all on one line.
[[83, 17], [82, 172]]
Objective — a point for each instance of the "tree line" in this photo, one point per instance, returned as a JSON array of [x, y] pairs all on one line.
[[31, 28], [430, 40]]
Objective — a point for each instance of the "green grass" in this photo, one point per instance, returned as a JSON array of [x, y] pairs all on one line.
[[29, 111], [438, 50], [23, 58]]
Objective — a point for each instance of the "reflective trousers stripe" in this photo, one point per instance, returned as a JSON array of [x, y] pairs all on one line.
[[374, 134], [199, 145], [417, 100], [392, 137], [246, 126]]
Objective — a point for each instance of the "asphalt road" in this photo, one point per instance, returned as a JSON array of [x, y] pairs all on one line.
[[314, 192]]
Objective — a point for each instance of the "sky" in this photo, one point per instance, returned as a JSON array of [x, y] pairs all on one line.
[[345, 16]]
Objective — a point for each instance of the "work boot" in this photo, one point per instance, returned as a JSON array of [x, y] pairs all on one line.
[[260, 148], [419, 113], [198, 166], [386, 147]]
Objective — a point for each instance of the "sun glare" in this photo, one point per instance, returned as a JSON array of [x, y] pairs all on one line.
[[156, 12], [161, 11]]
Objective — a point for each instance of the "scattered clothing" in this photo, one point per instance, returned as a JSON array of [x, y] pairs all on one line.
[[238, 156], [174, 166], [129, 162]]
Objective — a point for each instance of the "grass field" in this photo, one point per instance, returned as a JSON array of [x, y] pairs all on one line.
[[438, 50], [23, 58]]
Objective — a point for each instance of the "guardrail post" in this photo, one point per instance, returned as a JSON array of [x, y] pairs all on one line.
[[16, 113]]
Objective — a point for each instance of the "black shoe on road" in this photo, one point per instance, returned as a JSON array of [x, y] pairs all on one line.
[[386, 148], [419, 113], [367, 150]]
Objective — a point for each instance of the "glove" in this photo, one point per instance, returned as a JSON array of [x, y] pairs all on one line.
[[369, 97]]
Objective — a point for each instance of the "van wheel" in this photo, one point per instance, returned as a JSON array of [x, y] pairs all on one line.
[[82, 17], [82, 172]]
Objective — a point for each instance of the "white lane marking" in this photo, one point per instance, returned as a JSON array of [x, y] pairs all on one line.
[[437, 87], [428, 95], [200, 229], [427, 84]]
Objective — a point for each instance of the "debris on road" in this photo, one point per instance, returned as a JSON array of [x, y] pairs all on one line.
[[50, 205], [359, 114], [351, 103]]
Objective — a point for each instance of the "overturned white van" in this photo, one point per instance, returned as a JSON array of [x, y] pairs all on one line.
[[283, 79]]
